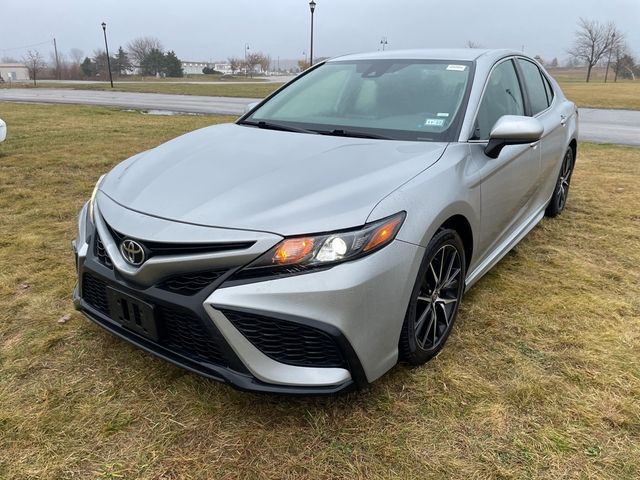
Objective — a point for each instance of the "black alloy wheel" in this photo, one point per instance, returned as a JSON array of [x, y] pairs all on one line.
[[435, 299], [561, 192]]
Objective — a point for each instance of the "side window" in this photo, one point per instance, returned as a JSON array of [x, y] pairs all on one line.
[[535, 86], [502, 96], [547, 87]]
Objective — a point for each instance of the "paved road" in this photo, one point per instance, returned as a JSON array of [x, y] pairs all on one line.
[[601, 126], [610, 126], [142, 101]]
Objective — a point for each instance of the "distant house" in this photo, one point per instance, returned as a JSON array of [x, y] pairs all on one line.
[[195, 68], [14, 72], [224, 68]]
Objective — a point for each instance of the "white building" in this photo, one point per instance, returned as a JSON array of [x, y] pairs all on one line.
[[195, 68], [224, 68], [14, 72]]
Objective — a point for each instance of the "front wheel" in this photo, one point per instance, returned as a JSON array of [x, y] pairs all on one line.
[[561, 191], [434, 300]]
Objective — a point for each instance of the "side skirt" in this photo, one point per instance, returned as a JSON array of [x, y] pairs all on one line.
[[504, 248]]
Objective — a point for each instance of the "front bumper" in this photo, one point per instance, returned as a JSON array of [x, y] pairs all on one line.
[[316, 333]]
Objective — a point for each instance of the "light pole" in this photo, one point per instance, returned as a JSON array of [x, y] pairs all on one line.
[[384, 43], [246, 53], [613, 41], [312, 7], [106, 46]]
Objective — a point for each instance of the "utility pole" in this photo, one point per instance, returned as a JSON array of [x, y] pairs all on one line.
[[613, 41], [55, 49]]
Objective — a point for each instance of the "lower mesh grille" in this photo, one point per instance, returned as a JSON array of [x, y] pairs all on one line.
[[190, 283], [184, 331], [288, 342], [94, 292], [180, 329], [101, 253]]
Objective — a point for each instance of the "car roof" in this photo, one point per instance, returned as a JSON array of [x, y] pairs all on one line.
[[460, 54]]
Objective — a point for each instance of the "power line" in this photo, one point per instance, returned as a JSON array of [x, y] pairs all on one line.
[[25, 46]]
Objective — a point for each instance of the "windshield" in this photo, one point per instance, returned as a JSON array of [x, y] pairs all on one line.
[[395, 99]]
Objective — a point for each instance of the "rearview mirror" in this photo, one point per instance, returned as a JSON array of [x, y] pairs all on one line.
[[250, 106], [512, 130], [3, 130]]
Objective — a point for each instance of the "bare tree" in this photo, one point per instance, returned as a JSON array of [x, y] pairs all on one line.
[[472, 44], [616, 44], [593, 40], [140, 48], [76, 55], [35, 63], [235, 64]]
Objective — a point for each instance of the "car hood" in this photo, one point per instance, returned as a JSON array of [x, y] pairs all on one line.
[[288, 183]]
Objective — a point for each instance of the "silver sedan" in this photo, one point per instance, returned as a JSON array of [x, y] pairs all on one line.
[[332, 230]]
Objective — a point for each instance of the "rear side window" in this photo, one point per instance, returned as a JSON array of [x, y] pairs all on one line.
[[535, 86], [502, 96], [549, 90]]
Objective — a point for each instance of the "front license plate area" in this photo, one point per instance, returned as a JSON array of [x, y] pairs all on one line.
[[133, 314]]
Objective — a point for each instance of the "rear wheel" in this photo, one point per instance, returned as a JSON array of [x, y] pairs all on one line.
[[559, 198], [434, 300]]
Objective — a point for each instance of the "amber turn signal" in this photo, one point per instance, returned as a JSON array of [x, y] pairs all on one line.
[[293, 250], [383, 233]]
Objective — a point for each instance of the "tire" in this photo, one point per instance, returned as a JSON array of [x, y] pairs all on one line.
[[561, 189], [436, 291]]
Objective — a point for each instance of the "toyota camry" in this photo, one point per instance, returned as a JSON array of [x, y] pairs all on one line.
[[332, 230]]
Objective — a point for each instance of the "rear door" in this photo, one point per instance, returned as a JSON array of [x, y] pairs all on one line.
[[553, 141], [509, 182]]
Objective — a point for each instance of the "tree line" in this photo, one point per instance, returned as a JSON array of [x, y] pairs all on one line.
[[603, 44]]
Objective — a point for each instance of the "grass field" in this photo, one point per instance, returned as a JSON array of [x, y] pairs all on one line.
[[624, 95], [540, 378]]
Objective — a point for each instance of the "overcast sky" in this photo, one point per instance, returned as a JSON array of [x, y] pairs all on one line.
[[214, 29]]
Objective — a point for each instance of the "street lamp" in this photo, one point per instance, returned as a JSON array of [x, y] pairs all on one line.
[[384, 43], [246, 53], [312, 7], [106, 46]]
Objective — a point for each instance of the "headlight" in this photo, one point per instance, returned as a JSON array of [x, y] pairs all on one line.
[[93, 197], [331, 248]]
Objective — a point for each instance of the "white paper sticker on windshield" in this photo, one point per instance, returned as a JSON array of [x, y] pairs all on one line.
[[457, 68], [442, 114], [434, 122]]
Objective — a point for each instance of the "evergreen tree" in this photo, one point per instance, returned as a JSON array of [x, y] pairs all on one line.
[[121, 63], [88, 67], [172, 65]]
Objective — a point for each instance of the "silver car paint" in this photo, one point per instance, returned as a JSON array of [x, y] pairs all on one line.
[[265, 184], [247, 178]]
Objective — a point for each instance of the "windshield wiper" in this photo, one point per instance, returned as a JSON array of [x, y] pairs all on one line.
[[349, 133], [277, 126]]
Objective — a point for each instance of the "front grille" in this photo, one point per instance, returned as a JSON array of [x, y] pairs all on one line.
[[180, 329], [101, 253], [162, 248], [288, 342], [190, 283], [94, 292]]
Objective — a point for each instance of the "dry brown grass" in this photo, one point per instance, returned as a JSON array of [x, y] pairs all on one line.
[[622, 95], [540, 379]]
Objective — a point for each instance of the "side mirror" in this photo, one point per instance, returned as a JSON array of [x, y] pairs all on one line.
[[3, 130], [250, 106], [513, 130]]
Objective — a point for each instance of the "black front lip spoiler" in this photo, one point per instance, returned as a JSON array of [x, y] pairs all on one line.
[[224, 375]]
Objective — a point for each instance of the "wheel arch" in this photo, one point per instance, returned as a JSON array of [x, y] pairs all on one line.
[[462, 227]]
